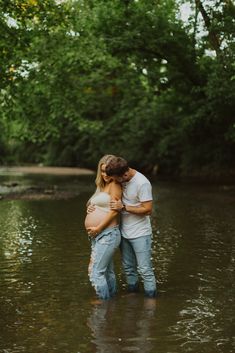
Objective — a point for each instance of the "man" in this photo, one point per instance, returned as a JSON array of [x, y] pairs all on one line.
[[135, 208]]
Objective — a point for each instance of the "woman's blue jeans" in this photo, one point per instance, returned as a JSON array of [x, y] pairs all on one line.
[[136, 257], [101, 269]]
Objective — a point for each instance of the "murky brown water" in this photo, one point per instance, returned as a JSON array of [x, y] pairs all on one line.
[[45, 293]]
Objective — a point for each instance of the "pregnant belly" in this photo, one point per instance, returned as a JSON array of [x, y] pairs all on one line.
[[94, 218]]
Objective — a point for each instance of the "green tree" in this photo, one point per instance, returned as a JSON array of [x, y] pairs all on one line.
[[125, 77]]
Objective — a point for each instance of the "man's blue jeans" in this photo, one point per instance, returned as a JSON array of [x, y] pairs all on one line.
[[101, 269], [136, 257]]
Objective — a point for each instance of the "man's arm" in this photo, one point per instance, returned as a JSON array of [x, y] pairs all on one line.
[[145, 208]]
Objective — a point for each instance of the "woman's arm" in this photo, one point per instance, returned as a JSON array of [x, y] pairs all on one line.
[[116, 194]]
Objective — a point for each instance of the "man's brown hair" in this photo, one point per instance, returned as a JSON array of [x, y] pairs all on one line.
[[117, 166]]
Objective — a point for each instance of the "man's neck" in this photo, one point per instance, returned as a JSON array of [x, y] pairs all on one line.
[[132, 172]]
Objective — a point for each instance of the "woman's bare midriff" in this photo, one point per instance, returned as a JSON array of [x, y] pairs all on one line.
[[94, 218]]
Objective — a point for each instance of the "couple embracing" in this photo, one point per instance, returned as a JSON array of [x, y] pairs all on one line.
[[118, 214]]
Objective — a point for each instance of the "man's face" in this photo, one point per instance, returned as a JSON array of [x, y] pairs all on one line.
[[122, 179]]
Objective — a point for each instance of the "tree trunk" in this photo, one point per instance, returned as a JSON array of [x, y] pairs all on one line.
[[213, 37]]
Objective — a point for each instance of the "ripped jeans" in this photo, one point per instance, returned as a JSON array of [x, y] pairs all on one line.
[[101, 269]]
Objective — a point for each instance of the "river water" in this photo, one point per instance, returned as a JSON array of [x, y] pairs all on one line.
[[45, 294]]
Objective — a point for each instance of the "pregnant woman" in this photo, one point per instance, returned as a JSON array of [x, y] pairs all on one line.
[[102, 227]]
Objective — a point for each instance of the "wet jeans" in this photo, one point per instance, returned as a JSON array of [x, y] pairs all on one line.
[[136, 258], [101, 269]]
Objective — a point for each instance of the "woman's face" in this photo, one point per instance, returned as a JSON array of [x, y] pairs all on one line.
[[106, 178]]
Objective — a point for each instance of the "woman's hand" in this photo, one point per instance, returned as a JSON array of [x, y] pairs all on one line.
[[93, 231], [90, 209]]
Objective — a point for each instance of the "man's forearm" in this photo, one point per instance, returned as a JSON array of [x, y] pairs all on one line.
[[142, 209], [139, 210]]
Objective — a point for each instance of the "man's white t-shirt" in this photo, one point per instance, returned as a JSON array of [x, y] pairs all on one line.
[[135, 191]]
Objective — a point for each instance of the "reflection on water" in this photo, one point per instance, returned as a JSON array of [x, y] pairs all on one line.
[[45, 294], [114, 330], [18, 246]]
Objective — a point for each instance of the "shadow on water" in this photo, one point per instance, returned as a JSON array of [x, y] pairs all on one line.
[[45, 295]]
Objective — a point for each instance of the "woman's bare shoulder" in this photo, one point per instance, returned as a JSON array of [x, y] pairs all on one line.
[[115, 187]]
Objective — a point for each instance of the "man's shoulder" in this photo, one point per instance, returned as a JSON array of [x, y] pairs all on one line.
[[141, 178]]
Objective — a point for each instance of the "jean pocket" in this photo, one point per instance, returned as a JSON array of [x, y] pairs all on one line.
[[106, 238]]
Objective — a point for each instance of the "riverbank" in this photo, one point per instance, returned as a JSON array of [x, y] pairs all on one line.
[[43, 183], [14, 187], [45, 170]]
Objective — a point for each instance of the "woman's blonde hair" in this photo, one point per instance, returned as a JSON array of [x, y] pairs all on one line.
[[99, 181]]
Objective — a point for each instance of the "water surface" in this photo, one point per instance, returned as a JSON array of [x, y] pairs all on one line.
[[45, 294]]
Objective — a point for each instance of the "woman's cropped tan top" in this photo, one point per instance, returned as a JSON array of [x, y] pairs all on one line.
[[101, 200]]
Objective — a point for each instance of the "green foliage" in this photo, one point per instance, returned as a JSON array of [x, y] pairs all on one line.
[[85, 78]]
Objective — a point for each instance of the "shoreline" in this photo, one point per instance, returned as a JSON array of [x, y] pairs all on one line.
[[45, 170], [16, 191]]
